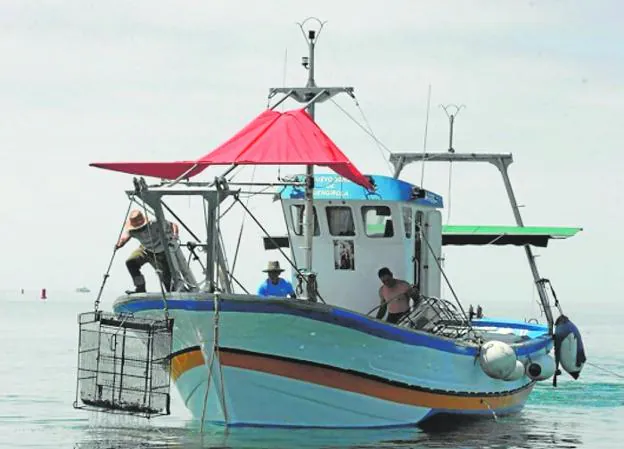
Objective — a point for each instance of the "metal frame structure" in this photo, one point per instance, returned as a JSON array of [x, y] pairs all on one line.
[[502, 162], [215, 257]]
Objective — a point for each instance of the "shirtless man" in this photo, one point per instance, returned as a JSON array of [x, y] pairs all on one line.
[[394, 296]]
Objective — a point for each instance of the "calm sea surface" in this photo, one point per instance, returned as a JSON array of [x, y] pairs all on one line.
[[38, 375]]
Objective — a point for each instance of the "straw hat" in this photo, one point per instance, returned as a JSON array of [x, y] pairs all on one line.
[[273, 266], [136, 220]]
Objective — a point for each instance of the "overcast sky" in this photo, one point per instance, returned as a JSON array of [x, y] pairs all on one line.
[[89, 81]]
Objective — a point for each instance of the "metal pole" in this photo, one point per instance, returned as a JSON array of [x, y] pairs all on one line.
[[502, 166], [308, 221]]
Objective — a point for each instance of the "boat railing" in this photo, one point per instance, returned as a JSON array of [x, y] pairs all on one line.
[[437, 316]]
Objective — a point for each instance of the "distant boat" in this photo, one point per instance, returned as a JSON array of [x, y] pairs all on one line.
[[44, 294], [83, 290]]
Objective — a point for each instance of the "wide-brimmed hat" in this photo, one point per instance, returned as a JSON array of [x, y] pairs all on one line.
[[136, 220], [273, 266]]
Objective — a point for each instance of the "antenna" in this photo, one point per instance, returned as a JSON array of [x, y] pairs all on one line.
[[451, 118], [422, 171], [311, 37], [284, 70]]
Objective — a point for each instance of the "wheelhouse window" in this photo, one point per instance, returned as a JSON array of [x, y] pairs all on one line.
[[297, 213], [378, 221], [340, 220], [407, 221]]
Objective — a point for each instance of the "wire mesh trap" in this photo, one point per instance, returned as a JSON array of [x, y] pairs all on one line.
[[123, 364]]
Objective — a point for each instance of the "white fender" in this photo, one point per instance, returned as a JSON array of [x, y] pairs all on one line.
[[567, 357], [541, 367], [517, 373], [497, 359]]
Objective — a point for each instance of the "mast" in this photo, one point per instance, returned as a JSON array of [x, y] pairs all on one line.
[[309, 96], [308, 220]]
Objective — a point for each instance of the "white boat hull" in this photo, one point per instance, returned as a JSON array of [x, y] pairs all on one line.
[[282, 364]]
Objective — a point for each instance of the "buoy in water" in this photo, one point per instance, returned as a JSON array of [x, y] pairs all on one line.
[[43, 294], [569, 350]]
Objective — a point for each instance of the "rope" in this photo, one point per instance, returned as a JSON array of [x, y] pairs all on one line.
[[96, 305], [259, 192], [227, 210], [288, 259], [237, 282], [157, 263], [490, 409], [240, 233], [179, 220], [422, 235], [380, 145], [613, 373], [386, 303], [215, 351], [552, 290]]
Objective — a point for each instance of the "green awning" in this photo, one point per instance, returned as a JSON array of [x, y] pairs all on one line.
[[504, 235]]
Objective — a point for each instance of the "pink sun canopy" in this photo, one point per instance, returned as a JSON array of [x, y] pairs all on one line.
[[272, 138]]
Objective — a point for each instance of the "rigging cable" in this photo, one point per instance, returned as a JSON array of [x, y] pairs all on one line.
[[110, 263], [613, 373], [214, 352], [435, 258], [272, 240], [240, 233], [380, 145], [159, 269]]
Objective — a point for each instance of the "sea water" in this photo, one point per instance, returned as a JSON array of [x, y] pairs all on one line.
[[38, 381]]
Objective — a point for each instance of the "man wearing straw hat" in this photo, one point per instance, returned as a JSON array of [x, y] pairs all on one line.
[[275, 285], [151, 250]]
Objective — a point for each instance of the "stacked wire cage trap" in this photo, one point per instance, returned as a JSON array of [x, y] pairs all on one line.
[[123, 364]]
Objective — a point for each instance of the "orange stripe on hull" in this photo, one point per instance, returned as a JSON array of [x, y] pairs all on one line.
[[335, 378], [181, 363]]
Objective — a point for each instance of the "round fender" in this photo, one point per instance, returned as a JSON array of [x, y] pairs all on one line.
[[497, 359], [567, 356], [540, 368], [517, 373]]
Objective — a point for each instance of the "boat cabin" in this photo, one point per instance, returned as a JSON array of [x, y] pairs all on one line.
[[356, 232]]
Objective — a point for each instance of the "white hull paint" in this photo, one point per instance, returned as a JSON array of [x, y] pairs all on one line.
[[260, 399]]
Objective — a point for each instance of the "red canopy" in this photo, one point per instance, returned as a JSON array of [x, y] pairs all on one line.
[[272, 138]]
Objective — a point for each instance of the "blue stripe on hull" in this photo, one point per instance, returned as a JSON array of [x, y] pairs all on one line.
[[335, 316]]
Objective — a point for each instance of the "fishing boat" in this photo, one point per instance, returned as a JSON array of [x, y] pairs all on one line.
[[321, 358]]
